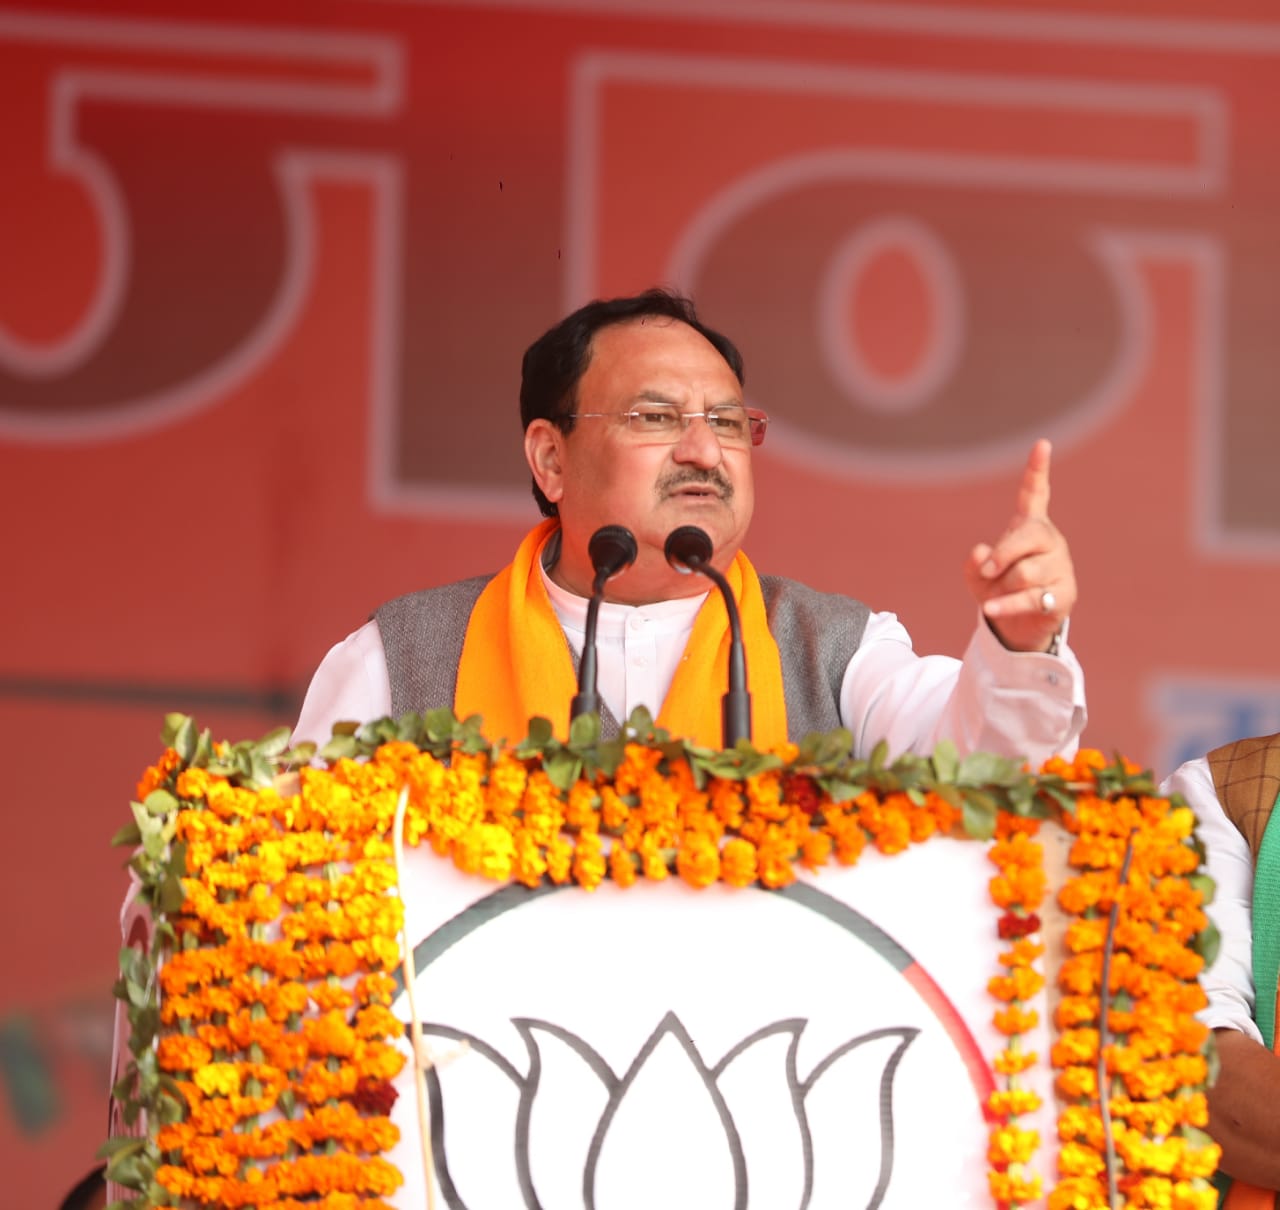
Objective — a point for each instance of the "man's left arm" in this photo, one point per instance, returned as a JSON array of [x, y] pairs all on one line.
[[1028, 705], [1019, 691]]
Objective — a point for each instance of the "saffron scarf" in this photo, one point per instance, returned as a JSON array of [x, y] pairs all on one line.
[[516, 662]]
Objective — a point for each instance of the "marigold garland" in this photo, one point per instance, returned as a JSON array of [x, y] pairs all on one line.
[[265, 995]]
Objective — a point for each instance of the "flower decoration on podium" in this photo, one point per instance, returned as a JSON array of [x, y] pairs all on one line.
[[263, 1052]]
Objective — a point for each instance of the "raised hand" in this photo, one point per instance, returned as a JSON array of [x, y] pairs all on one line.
[[1025, 583]]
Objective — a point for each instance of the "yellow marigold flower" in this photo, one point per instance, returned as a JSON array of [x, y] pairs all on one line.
[[529, 865], [1011, 1145], [1011, 1102], [559, 860], [1081, 1123], [1078, 1193], [486, 849], [194, 784], [1076, 1159], [217, 1079], [1077, 1082], [1008, 1189], [1198, 1196], [1075, 1046], [589, 862], [508, 777]]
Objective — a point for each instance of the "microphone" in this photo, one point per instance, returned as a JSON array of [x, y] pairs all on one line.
[[689, 549], [612, 549]]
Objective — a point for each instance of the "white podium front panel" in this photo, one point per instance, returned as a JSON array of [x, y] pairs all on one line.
[[828, 1045]]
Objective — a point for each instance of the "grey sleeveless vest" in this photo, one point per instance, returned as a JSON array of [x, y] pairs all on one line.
[[816, 632]]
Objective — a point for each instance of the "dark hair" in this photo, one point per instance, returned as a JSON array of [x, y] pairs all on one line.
[[555, 363]]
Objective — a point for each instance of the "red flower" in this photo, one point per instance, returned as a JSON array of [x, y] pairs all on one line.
[[1011, 925], [800, 790], [374, 1096]]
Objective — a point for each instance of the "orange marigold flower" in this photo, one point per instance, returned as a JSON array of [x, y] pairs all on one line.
[[1078, 1082], [738, 864], [1009, 1189], [1013, 1062], [329, 1035], [815, 850], [698, 861], [1016, 1020], [157, 774], [1021, 983], [774, 864], [622, 866]]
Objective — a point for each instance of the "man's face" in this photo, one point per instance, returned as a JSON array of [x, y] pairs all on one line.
[[603, 474]]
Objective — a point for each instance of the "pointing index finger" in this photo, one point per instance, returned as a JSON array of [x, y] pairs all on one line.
[[1033, 491]]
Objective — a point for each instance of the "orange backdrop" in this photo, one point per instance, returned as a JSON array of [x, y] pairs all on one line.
[[268, 269]]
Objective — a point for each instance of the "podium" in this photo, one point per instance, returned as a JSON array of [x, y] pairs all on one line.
[[645, 974]]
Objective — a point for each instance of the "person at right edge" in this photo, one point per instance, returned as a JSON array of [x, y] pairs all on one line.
[[1233, 791]]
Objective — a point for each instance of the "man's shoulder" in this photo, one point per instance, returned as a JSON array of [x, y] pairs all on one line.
[[781, 589], [459, 593], [1254, 747], [1246, 779]]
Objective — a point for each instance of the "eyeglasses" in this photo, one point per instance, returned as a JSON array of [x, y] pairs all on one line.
[[735, 427]]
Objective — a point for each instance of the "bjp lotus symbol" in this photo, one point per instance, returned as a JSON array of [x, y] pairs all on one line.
[[672, 1130]]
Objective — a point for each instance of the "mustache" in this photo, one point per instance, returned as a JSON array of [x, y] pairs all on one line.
[[696, 476]]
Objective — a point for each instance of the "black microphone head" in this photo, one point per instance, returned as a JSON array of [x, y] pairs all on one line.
[[686, 547], [612, 549]]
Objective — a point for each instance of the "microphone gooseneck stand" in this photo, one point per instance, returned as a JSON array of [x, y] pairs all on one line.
[[612, 549], [689, 549]]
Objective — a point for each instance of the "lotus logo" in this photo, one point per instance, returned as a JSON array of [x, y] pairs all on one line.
[[673, 1129]]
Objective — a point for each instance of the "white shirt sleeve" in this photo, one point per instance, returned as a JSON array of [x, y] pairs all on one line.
[[351, 685], [1229, 981], [1020, 704]]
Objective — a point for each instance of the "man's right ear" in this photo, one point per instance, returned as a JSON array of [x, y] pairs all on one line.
[[543, 450]]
